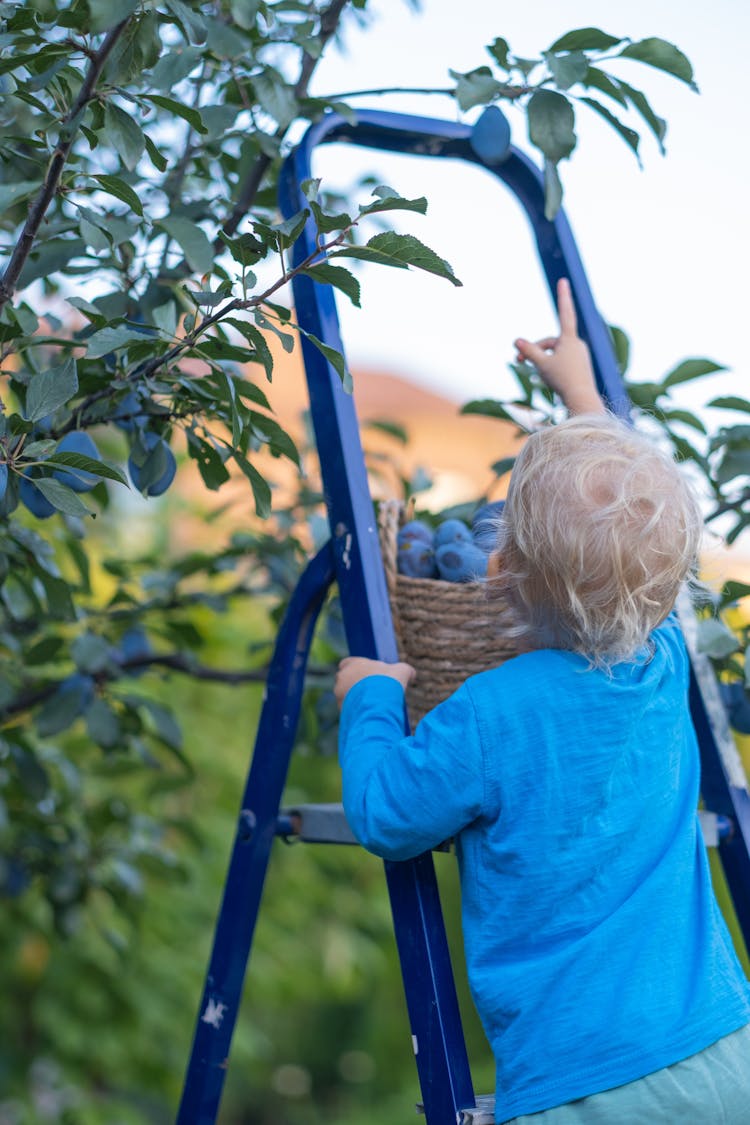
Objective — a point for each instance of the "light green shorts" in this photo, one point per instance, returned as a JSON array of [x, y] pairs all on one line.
[[710, 1088]]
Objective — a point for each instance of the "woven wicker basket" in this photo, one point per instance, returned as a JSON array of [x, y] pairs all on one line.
[[446, 630]]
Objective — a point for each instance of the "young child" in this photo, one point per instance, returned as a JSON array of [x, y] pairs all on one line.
[[597, 956]]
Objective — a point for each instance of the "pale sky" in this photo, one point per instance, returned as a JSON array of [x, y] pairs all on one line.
[[664, 248]]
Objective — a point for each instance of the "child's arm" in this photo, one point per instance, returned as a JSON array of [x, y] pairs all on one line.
[[563, 361]]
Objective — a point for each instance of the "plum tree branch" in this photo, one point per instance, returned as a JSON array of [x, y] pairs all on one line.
[[68, 130]]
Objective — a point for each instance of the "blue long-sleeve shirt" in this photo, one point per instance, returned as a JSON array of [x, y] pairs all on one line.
[[595, 950]]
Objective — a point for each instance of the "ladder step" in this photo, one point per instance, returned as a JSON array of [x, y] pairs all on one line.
[[322, 824], [327, 824], [316, 824], [482, 1113]]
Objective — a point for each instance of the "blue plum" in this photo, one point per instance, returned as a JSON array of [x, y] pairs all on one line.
[[135, 645], [416, 559], [415, 530], [490, 137], [451, 531], [127, 410], [138, 473], [77, 442], [37, 504], [461, 562]]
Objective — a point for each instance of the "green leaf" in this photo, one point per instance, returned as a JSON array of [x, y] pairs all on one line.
[[275, 98], [663, 56], [488, 408], [103, 725], [644, 395], [11, 194], [62, 497], [621, 345], [605, 84], [192, 19], [193, 241], [401, 250], [209, 461], [477, 87], [656, 124], [691, 369], [257, 339], [284, 234], [389, 200], [281, 444], [715, 639], [259, 485], [585, 39], [500, 468], [161, 723], [551, 120], [337, 276], [499, 50], [629, 135], [186, 112], [325, 222], [734, 463], [112, 185], [85, 464], [566, 70], [111, 339], [731, 402], [733, 591], [686, 417], [51, 389], [336, 360], [124, 134], [174, 66], [106, 13], [386, 426], [245, 13]]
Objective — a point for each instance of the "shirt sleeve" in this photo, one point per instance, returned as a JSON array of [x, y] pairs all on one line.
[[404, 795]]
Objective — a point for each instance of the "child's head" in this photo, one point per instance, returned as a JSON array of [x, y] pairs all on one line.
[[599, 531]]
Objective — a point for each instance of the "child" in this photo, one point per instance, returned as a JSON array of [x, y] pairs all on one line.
[[597, 957]]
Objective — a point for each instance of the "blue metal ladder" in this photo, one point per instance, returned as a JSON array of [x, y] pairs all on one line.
[[352, 559]]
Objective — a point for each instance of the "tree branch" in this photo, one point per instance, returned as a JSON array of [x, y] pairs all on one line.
[[68, 130], [175, 661]]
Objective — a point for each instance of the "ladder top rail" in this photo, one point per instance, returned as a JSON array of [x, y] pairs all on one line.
[[436, 137]]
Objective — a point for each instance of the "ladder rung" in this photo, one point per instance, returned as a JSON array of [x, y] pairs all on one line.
[[323, 824], [481, 1113], [316, 824], [327, 824], [715, 827]]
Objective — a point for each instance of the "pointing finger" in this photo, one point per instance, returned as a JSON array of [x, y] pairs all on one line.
[[566, 310], [531, 352]]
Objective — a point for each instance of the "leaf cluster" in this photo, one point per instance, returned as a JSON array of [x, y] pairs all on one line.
[[575, 70]]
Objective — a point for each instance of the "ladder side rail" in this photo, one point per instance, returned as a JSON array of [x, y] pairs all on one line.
[[722, 795], [445, 1077], [256, 827]]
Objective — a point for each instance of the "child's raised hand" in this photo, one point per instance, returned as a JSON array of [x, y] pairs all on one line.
[[352, 669], [563, 361]]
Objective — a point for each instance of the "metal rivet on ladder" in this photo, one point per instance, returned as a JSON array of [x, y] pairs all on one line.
[[247, 824]]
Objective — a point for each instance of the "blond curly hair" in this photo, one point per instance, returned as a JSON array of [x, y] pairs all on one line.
[[599, 531]]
